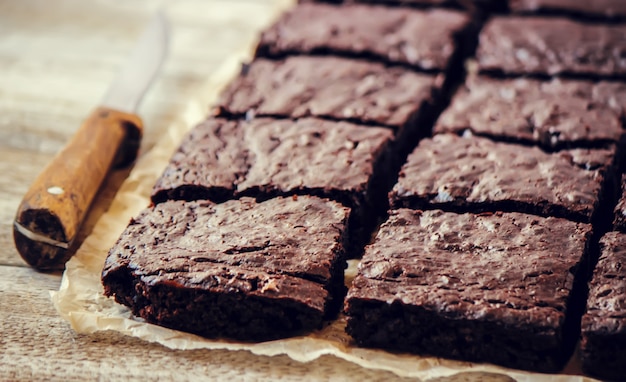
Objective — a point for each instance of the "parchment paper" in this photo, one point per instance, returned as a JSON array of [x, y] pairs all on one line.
[[81, 302]]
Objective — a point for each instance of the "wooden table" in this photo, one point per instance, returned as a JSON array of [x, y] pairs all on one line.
[[56, 60]]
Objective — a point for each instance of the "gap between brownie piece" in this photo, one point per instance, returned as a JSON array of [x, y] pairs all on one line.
[[619, 212], [422, 39], [294, 79], [263, 158], [241, 269], [486, 288], [321, 46], [433, 40], [338, 89]]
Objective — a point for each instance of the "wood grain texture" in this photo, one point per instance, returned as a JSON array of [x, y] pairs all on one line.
[[17, 169], [38, 345], [56, 63]]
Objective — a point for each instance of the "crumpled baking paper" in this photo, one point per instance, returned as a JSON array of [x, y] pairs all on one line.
[[80, 299]]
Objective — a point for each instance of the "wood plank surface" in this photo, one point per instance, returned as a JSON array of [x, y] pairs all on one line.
[[56, 60], [56, 63], [38, 345]]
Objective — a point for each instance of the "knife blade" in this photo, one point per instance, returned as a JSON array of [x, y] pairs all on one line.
[[54, 208]]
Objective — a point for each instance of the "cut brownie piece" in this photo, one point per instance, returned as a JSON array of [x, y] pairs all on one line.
[[384, 2], [487, 288], [264, 157], [421, 38], [612, 94], [603, 345], [548, 46], [241, 269], [555, 114], [330, 87], [470, 5], [619, 220], [596, 8], [221, 159], [477, 174]]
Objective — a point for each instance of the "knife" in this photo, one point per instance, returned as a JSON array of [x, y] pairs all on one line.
[[53, 210]]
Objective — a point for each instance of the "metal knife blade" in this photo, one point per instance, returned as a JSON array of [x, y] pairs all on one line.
[[128, 88], [52, 211]]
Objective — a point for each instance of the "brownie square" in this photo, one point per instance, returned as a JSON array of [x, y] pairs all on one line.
[[549, 46], [221, 159], [384, 2], [611, 9], [492, 288], [469, 5], [603, 345], [263, 158], [424, 39], [612, 94], [619, 218], [554, 114], [331, 87], [477, 174], [418, 3], [241, 269]]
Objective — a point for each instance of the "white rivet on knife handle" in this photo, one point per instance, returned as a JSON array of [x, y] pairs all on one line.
[[55, 190]]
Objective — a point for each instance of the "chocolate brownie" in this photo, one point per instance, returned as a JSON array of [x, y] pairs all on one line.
[[424, 39], [275, 157], [385, 2], [389, 2], [477, 174], [612, 94], [262, 158], [603, 345], [549, 46], [241, 269], [331, 87], [554, 114], [488, 288], [472, 5], [596, 8], [619, 220]]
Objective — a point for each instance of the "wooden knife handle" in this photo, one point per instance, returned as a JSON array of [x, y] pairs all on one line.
[[54, 208]]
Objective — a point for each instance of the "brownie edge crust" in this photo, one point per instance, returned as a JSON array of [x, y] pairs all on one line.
[[619, 212], [493, 288], [242, 270], [603, 342]]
